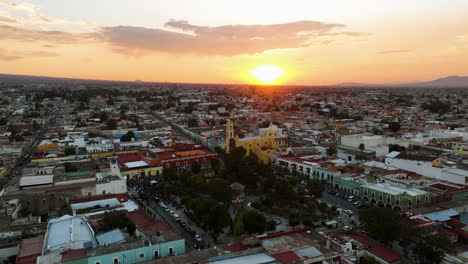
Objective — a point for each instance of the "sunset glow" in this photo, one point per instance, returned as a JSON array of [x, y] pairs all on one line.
[[313, 43], [267, 74]]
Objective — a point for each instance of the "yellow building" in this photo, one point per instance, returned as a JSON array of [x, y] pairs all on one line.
[[262, 145], [142, 172]]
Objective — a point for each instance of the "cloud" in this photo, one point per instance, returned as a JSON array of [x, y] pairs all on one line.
[[228, 40], [6, 56], [394, 51], [25, 7], [42, 54], [22, 34], [8, 20]]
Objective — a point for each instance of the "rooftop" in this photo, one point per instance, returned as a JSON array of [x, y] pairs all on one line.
[[394, 190], [68, 232], [136, 164], [111, 237], [36, 180]]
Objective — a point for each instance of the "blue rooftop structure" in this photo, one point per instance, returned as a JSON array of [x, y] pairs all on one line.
[[111, 237], [137, 134], [442, 216]]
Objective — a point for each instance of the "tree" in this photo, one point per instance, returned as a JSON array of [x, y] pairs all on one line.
[[254, 222], [331, 151], [220, 190], [395, 147], [70, 151], [128, 137], [215, 164], [111, 124], [368, 260], [394, 126], [169, 174], [117, 219], [315, 188], [209, 214], [3, 121], [381, 223], [362, 147], [192, 122], [36, 126], [196, 167], [432, 248]]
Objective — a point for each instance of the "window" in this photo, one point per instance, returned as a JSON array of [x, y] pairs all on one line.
[[97, 262], [171, 251], [156, 254], [116, 260], [142, 255], [185, 162]]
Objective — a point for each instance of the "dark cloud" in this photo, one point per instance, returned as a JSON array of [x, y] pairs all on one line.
[[393, 51], [226, 40]]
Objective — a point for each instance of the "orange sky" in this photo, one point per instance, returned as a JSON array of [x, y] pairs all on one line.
[[214, 41]]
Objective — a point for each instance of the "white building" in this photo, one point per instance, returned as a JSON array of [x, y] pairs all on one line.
[[423, 165], [376, 143]]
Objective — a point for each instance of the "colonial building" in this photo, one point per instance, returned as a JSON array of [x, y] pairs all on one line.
[[263, 145]]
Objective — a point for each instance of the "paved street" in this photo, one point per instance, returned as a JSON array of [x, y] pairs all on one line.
[[25, 157], [338, 202], [152, 206]]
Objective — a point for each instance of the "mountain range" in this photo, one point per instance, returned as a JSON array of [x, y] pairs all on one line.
[[450, 81]]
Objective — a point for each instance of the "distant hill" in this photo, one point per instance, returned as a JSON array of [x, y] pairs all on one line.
[[450, 81]]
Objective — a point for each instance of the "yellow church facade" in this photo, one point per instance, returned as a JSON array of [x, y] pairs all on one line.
[[261, 146]]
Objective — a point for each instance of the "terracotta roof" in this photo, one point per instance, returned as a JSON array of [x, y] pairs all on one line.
[[121, 197], [29, 250], [129, 158], [287, 257], [74, 254]]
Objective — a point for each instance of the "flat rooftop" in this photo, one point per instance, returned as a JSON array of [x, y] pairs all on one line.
[[68, 232], [392, 189], [136, 164], [26, 181]]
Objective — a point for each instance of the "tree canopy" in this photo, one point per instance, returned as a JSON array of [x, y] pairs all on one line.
[[381, 223]]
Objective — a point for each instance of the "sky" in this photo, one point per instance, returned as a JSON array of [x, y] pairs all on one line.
[[315, 42]]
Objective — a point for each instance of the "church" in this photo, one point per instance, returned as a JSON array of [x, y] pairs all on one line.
[[269, 141]]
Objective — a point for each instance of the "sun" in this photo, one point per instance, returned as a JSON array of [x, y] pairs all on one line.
[[267, 74]]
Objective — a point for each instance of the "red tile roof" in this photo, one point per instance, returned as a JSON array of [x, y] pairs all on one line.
[[129, 158], [456, 224], [287, 257], [235, 246], [140, 218], [29, 250], [146, 224], [385, 254], [74, 254], [381, 252], [121, 197]]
